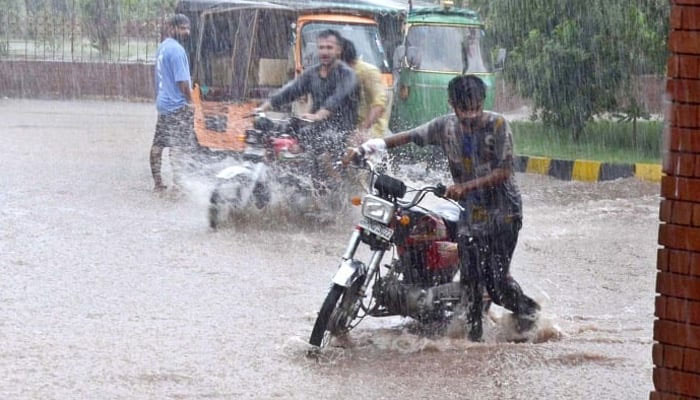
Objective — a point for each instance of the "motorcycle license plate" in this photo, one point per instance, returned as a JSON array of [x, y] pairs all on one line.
[[378, 229]]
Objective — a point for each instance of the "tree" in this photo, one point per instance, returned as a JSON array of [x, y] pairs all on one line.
[[100, 19], [573, 58], [481, 6]]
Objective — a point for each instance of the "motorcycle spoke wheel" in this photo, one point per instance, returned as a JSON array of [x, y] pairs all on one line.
[[320, 330], [341, 320], [333, 318]]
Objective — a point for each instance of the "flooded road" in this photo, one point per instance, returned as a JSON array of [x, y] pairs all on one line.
[[109, 291]]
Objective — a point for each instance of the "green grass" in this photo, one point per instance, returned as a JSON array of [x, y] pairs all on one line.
[[606, 141]]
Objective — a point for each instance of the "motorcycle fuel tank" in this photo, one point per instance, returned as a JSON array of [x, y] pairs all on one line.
[[442, 255]]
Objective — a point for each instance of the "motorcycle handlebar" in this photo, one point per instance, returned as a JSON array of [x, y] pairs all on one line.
[[437, 190], [262, 114], [357, 157], [300, 119]]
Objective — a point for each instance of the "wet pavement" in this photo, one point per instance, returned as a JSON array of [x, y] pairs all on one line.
[[109, 291]]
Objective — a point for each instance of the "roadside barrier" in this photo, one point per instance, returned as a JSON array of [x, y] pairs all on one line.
[[586, 170]]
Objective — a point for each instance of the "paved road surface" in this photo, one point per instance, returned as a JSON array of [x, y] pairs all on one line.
[[108, 291]]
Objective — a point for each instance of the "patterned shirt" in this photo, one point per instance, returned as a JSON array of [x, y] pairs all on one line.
[[473, 153]]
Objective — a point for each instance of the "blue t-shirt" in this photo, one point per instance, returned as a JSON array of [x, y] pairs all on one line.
[[172, 66]]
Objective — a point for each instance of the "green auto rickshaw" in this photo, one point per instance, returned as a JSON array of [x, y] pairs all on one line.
[[439, 43]]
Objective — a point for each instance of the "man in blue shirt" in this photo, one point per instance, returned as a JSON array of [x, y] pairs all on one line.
[[175, 126]]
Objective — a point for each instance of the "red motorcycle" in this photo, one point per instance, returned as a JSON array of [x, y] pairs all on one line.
[[272, 156], [419, 282]]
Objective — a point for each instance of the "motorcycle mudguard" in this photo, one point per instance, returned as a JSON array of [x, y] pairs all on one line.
[[348, 272], [230, 172]]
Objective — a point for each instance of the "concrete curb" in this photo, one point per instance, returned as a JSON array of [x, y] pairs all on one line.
[[586, 170]]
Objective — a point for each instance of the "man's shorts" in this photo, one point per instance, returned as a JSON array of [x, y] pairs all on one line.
[[176, 129]]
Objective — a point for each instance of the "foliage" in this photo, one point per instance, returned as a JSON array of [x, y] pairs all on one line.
[[10, 8], [631, 113], [147, 9], [100, 19], [481, 6], [601, 140], [573, 58]]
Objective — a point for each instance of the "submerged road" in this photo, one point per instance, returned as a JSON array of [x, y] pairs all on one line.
[[108, 291]]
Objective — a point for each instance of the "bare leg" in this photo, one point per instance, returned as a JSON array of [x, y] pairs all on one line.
[[177, 165], [156, 157]]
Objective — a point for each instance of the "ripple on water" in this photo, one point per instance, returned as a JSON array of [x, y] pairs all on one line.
[[412, 338], [585, 357]]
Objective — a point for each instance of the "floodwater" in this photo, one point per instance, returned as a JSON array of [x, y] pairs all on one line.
[[108, 291]]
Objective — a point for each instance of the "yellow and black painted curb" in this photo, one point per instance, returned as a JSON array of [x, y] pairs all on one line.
[[585, 170]]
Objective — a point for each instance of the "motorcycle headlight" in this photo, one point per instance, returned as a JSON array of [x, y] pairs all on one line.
[[377, 209]]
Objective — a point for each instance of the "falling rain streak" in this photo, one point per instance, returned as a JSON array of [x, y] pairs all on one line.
[[111, 291]]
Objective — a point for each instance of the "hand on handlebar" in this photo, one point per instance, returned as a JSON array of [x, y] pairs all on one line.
[[262, 108], [456, 191], [354, 155], [373, 146], [303, 118], [319, 115], [359, 153]]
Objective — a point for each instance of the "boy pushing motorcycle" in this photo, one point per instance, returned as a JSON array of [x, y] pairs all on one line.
[[479, 148]]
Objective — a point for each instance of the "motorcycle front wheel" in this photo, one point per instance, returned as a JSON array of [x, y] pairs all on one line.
[[334, 317], [215, 209], [225, 197]]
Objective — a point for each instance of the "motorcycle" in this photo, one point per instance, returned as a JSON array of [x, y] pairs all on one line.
[[418, 283], [272, 155]]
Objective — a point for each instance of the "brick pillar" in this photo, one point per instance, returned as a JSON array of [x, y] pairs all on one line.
[[676, 351]]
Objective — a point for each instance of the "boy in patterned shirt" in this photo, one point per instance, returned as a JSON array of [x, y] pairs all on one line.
[[479, 149]]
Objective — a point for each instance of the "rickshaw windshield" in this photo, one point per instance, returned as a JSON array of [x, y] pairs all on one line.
[[445, 48], [365, 38]]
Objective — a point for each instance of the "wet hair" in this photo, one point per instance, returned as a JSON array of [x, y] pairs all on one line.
[[465, 91], [331, 32], [177, 20], [349, 51]]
